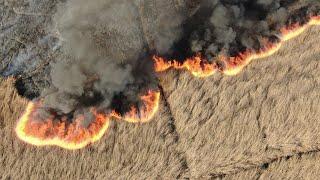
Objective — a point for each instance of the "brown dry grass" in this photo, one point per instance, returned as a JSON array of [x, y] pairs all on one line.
[[262, 123]]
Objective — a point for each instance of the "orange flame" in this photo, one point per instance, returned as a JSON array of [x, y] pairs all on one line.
[[73, 135], [200, 67], [233, 65], [196, 65], [315, 20], [146, 113]]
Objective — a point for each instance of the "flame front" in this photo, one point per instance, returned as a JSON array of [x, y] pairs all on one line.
[[51, 132], [196, 65], [200, 67], [315, 20], [75, 136]]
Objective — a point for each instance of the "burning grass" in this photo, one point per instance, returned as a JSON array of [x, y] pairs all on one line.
[[74, 135], [200, 67]]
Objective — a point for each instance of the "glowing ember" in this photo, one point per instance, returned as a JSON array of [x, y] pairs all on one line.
[[200, 67], [74, 135]]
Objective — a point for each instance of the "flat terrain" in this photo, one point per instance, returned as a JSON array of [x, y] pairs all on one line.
[[263, 123]]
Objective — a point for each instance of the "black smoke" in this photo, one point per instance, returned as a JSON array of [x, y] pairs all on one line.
[[103, 49], [105, 57], [98, 53], [227, 27]]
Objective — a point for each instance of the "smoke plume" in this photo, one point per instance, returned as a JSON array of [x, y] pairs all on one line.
[[106, 45], [227, 27], [98, 57], [103, 48]]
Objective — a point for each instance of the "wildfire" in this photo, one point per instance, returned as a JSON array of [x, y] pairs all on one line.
[[315, 20], [235, 64], [201, 67], [146, 113], [196, 65], [74, 135]]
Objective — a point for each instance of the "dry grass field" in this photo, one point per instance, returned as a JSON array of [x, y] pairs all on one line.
[[263, 123]]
